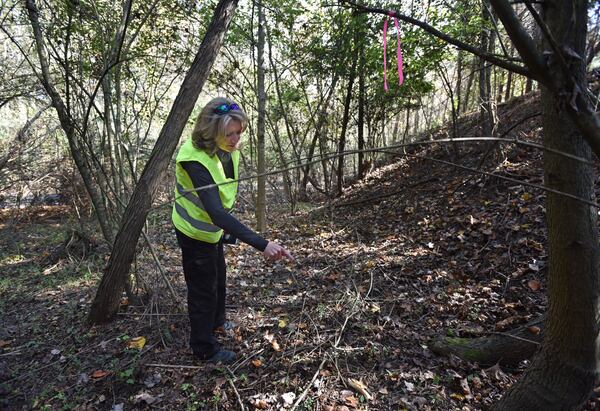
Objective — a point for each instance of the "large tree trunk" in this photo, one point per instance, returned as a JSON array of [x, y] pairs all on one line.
[[261, 193], [108, 296], [565, 371]]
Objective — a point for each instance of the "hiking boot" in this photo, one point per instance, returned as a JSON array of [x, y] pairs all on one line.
[[227, 326], [223, 357]]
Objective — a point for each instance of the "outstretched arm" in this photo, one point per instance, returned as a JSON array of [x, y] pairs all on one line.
[[201, 177]]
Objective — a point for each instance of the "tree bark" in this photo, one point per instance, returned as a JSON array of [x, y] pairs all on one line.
[[565, 371], [68, 126], [486, 110], [261, 193], [108, 296], [321, 120], [362, 169], [345, 119]]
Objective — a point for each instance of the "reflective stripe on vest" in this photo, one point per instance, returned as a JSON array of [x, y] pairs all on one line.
[[194, 199], [197, 224], [190, 196], [189, 214]]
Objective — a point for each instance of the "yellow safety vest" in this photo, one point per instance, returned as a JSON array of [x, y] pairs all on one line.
[[189, 215]]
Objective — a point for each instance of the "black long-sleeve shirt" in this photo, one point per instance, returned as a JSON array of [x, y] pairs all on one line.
[[200, 177]]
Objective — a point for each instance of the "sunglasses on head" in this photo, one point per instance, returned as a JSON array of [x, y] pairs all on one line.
[[226, 108]]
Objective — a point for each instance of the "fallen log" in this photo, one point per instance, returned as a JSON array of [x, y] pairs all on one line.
[[506, 348]]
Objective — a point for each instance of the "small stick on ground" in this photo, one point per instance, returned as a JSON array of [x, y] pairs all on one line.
[[305, 392], [179, 367], [237, 394]]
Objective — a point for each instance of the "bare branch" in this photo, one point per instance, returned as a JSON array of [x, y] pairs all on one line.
[[522, 41], [435, 32]]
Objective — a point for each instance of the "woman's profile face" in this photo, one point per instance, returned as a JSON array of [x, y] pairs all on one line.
[[230, 141]]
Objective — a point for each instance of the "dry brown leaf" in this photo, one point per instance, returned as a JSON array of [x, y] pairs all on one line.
[[458, 397], [144, 397], [99, 374], [534, 285], [360, 387], [464, 385], [508, 322], [137, 342], [351, 401], [261, 404]]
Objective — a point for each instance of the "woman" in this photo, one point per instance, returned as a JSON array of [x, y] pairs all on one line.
[[201, 217]]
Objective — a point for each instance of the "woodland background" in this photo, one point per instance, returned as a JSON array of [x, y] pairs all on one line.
[[423, 259]]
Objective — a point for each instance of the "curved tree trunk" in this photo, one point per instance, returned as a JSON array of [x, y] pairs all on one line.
[[69, 126], [565, 370], [108, 296]]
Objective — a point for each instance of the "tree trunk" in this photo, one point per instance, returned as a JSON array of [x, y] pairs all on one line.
[[321, 120], [459, 74], [345, 119], [528, 85], [565, 371], [68, 127], [508, 91], [108, 296], [467, 99], [487, 109], [261, 194], [362, 169], [290, 134]]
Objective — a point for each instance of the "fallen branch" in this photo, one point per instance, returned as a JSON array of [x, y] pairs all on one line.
[[506, 348]]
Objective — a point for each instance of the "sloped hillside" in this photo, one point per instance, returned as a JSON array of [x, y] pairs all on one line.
[[419, 249]]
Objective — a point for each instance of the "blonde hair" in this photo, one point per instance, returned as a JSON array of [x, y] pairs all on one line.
[[210, 124]]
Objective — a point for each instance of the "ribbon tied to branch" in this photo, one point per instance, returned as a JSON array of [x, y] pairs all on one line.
[[399, 51]]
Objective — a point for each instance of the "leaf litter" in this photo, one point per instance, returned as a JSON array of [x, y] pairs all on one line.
[[423, 251]]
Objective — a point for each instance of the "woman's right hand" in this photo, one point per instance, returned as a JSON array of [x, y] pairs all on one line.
[[274, 251]]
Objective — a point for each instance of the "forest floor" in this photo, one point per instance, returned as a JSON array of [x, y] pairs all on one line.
[[416, 251]]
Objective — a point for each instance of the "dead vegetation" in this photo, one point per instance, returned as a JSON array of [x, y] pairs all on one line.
[[415, 252]]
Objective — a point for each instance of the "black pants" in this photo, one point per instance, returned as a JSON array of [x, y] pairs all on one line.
[[204, 271]]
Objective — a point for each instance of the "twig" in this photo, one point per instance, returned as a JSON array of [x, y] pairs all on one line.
[[515, 337], [14, 352], [151, 314], [182, 367], [334, 347], [513, 180], [305, 392], [237, 394], [247, 359], [160, 268]]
